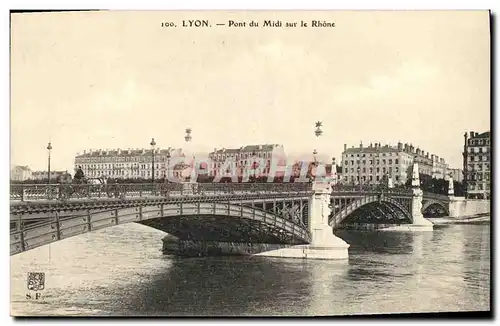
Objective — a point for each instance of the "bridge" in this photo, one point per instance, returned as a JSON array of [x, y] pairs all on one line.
[[286, 219]]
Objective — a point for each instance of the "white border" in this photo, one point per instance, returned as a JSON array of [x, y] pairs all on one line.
[[200, 4]]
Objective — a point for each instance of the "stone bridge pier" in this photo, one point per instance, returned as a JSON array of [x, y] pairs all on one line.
[[419, 223], [324, 244]]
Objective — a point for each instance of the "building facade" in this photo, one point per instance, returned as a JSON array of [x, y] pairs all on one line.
[[44, 175], [456, 174], [477, 164], [126, 163], [240, 160], [379, 163], [20, 173]]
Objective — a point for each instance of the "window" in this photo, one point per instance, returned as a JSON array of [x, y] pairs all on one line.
[[364, 170], [390, 161], [371, 178], [378, 170], [364, 162], [378, 178], [383, 161], [396, 161], [371, 162], [397, 178]]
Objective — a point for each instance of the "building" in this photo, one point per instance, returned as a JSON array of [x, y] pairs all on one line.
[[477, 164], [126, 163], [44, 175], [456, 174], [20, 173], [379, 163], [241, 159]]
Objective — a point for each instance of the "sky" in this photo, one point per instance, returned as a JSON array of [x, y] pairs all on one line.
[[117, 79]]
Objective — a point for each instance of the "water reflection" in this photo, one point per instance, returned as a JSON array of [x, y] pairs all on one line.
[[121, 271]]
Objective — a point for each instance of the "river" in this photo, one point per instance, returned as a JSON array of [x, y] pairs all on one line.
[[121, 271]]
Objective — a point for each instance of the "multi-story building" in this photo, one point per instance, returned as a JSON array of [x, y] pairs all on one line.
[[456, 174], [240, 159], [477, 164], [126, 163], [384, 163], [20, 173], [44, 175]]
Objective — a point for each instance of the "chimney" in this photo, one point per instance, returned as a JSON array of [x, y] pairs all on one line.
[[476, 134], [345, 147], [84, 151], [427, 155], [471, 134], [361, 144], [371, 145], [418, 151], [400, 146], [119, 151]]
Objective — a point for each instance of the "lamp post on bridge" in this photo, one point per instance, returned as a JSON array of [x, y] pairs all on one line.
[[359, 177], [153, 144], [49, 149], [168, 163]]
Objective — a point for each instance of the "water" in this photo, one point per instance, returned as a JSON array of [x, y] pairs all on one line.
[[121, 271]]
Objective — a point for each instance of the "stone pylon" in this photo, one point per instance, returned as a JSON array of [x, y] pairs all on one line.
[[451, 190], [416, 203], [324, 244]]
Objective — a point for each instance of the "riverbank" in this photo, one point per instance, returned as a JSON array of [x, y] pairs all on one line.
[[475, 219]]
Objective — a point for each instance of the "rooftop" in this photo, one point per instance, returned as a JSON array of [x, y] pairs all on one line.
[[382, 149], [125, 152], [483, 135], [22, 167], [246, 149]]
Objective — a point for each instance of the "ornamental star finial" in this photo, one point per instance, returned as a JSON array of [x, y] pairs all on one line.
[[319, 124]]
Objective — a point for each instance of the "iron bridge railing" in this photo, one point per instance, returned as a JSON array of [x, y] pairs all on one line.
[[32, 192]]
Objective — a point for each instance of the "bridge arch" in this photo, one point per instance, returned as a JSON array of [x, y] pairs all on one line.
[[381, 203], [429, 203], [54, 229]]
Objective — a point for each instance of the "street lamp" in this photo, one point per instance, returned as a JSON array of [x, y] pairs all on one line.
[[49, 148], [153, 144], [168, 162], [359, 177]]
